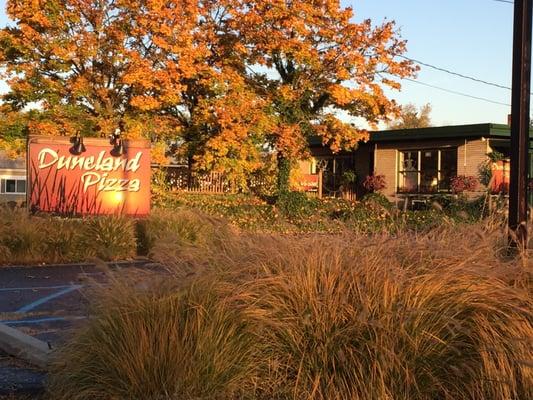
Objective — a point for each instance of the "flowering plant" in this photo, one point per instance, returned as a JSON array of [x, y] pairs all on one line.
[[374, 183], [463, 183]]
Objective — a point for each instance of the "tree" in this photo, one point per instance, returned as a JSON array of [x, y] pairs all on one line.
[[319, 64], [220, 116], [13, 130], [158, 69], [409, 117], [190, 69], [101, 59]]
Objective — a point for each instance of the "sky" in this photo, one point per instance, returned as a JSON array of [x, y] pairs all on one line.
[[471, 37]]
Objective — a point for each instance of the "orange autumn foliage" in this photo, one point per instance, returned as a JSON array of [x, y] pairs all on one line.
[[323, 64], [186, 72], [113, 60]]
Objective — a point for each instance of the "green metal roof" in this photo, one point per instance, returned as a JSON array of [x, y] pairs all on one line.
[[436, 132], [443, 132]]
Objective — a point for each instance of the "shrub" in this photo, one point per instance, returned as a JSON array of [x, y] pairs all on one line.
[[349, 177], [374, 183], [378, 199], [296, 204], [431, 316], [463, 183], [461, 208]]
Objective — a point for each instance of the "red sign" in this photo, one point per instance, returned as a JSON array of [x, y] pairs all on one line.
[[309, 182], [92, 182]]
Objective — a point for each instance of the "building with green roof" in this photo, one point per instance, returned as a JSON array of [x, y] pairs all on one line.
[[415, 162]]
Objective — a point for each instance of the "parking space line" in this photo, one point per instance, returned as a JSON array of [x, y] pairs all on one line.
[[46, 299]]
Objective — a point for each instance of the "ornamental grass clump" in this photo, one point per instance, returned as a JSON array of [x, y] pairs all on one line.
[[21, 239], [110, 237], [170, 342], [435, 316], [179, 236], [392, 319], [43, 239]]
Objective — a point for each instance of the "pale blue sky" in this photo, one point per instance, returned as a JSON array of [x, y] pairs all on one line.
[[472, 37]]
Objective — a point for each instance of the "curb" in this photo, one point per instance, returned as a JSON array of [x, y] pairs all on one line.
[[113, 264], [23, 346]]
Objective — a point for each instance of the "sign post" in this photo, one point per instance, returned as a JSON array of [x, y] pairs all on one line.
[[520, 122], [64, 181]]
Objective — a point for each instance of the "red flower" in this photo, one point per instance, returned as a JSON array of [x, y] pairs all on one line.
[[374, 183], [463, 183]]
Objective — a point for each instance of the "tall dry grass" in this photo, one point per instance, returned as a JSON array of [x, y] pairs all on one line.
[[182, 239], [436, 316], [26, 239]]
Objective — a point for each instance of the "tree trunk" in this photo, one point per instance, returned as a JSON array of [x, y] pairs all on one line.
[[284, 172]]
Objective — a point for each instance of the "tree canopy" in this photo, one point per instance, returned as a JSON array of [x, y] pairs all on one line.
[[410, 117], [323, 64], [223, 79]]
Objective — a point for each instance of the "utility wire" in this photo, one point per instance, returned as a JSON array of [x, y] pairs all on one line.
[[457, 93], [457, 73], [460, 76]]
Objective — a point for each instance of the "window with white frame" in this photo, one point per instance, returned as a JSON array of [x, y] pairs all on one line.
[[13, 185], [426, 171]]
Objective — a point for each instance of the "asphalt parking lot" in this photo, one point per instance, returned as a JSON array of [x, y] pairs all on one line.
[[48, 303]]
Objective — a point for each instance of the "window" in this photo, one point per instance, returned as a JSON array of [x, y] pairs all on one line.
[[426, 171], [313, 166], [13, 185], [333, 168]]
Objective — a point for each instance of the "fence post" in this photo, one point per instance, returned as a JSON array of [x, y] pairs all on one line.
[[320, 183]]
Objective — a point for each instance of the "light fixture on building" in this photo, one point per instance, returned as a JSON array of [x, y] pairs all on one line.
[[118, 146], [77, 145]]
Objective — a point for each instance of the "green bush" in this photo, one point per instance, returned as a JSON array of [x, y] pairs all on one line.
[[296, 213], [462, 208], [377, 199], [296, 205]]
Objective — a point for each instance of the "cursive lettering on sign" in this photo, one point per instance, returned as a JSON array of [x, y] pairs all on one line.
[[48, 157], [97, 169]]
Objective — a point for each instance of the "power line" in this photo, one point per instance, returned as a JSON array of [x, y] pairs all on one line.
[[457, 93], [504, 1], [457, 73]]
